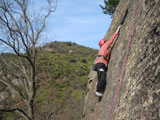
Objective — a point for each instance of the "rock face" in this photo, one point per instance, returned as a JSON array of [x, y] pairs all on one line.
[[139, 93]]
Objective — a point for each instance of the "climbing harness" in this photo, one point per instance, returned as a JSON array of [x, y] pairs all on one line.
[[124, 61], [105, 58]]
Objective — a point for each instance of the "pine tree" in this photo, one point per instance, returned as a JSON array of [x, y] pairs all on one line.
[[110, 6]]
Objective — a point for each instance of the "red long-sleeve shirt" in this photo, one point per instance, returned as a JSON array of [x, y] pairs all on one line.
[[104, 51]]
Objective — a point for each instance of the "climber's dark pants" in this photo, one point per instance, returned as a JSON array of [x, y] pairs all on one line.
[[101, 71]]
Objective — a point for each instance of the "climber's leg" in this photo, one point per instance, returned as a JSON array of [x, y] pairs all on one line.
[[101, 71]]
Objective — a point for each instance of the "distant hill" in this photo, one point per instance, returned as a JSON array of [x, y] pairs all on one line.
[[62, 71], [67, 47]]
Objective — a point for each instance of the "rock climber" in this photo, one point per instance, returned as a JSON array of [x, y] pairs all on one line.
[[101, 62]]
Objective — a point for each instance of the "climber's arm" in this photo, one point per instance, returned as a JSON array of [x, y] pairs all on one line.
[[113, 36]]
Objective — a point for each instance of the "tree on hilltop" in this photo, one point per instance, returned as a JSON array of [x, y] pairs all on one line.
[[110, 6]]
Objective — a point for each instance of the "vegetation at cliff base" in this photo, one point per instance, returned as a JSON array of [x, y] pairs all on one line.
[[61, 77]]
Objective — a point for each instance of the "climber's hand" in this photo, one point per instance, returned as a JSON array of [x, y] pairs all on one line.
[[118, 28]]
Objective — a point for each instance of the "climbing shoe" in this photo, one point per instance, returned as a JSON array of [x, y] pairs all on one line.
[[99, 94]]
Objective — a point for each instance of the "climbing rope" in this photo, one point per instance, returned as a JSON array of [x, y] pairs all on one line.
[[124, 62]]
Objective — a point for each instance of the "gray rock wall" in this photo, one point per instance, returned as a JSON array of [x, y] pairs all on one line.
[[139, 93]]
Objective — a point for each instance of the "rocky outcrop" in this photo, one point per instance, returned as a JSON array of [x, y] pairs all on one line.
[[139, 94]]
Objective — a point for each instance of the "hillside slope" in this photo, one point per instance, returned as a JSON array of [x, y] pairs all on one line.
[[61, 78], [138, 97], [62, 72]]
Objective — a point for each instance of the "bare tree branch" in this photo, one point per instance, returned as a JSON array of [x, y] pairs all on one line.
[[20, 31], [22, 113]]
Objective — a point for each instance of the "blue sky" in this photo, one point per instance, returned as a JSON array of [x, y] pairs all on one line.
[[79, 21]]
